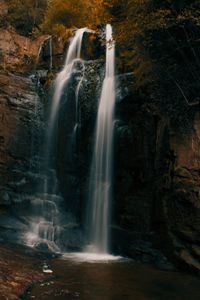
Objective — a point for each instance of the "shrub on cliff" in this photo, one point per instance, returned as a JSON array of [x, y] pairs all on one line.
[[159, 38], [63, 12], [26, 15]]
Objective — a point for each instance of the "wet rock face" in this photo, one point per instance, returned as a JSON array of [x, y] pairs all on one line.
[[19, 101], [72, 149], [21, 136]]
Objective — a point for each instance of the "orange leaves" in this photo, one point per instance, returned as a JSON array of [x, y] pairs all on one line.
[[77, 13], [63, 12]]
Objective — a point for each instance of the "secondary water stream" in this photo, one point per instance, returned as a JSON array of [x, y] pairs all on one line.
[[99, 209]]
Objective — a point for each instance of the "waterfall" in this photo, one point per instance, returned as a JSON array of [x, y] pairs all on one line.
[[46, 226], [101, 171], [61, 83], [47, 215]]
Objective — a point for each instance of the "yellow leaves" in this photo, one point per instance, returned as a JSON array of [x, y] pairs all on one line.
[[107, 4], [61, 31], [77, 13], [63, 12]]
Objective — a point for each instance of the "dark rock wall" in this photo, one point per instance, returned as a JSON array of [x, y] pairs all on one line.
[[179, 192], [21, 135], [156, 186]]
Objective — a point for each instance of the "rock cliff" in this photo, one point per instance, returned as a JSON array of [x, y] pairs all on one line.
[[21, 135], [156, 202]]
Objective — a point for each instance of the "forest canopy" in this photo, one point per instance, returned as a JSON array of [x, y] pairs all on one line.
[[152, 35], [26, 15], [133, 17]]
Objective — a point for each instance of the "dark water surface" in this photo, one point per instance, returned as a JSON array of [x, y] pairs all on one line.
[[115, 280]]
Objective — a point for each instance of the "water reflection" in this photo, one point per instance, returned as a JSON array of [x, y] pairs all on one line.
[[115, 280]]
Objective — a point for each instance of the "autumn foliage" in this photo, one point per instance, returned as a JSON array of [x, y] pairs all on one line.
[[26, 15], [149, 33]]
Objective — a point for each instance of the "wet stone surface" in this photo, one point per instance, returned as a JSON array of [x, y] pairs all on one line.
[[20, 267]]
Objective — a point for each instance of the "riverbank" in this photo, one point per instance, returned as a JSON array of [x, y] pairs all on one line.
[[20, 268]]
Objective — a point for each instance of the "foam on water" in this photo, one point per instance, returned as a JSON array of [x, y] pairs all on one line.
[[91, 257]]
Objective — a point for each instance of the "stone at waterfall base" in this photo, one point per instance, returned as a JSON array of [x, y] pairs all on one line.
[[20, 267]]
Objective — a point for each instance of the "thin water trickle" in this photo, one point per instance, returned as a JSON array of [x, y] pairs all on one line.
[[49, 38], [51, 53], [39, 53], [101, 171], [77, 124]]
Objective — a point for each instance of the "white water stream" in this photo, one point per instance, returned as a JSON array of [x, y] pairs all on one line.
[[45, 225], [101, 172]]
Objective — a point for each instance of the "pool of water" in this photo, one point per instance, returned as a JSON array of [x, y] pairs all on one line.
[[84, 277]]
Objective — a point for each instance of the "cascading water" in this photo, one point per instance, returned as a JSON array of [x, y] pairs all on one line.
[[61, 84], [101, 172], [74, 54], [45, 225]]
